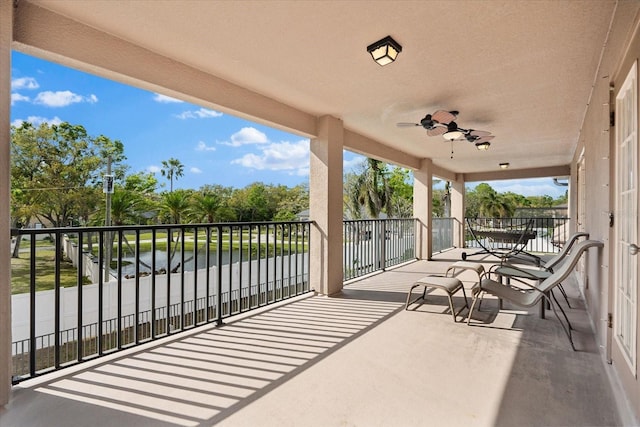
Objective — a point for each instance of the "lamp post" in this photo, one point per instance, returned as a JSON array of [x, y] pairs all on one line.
[[107, 188]]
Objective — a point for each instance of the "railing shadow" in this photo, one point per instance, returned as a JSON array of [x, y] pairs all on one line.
[[203, 377]]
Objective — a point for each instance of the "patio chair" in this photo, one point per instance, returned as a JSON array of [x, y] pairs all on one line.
[[530, 296], [506, 268]]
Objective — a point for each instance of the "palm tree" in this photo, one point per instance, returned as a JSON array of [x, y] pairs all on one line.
[[174, 206], [370, 189], [446, 199], [351, 197], [124, 207], [205, 208], [172, 168], [375, 192]]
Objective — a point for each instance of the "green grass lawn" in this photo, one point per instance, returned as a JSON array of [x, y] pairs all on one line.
[[189, 245], [45, 257], [44, 271]]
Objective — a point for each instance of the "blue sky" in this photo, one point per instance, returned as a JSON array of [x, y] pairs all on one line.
[[215, 148]]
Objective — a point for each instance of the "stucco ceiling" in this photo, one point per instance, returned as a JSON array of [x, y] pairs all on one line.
[[522, 70]]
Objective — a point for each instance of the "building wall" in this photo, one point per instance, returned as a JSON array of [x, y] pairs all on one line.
[[6, 27], [596, 145]]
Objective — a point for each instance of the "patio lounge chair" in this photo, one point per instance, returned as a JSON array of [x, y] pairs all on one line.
[[505, 268], [530, 296]]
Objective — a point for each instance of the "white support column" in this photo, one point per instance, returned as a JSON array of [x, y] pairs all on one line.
[[325, 206], [6, 36], [422, 208], [457, 212]]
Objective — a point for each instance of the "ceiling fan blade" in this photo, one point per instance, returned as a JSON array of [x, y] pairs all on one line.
[[442, 116], [439, 130], [407, 125], [484, 139], [479, 133]]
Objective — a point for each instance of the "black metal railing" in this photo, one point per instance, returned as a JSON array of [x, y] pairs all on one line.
[[375, 244], [80, 293], [442, 233], [550, 233]]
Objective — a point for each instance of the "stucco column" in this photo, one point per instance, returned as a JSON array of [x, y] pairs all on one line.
[[6, 35], [422, 207], [457, 212], [325, 206]]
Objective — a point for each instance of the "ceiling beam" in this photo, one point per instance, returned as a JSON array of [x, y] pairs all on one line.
[[548, 172], [371, 148]]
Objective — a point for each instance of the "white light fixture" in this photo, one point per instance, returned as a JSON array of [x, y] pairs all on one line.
[[452, 132], [504, 165], [450, 136], [484, 146], [384, 51]]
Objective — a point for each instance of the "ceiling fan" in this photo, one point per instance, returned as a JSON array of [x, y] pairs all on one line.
[[442, 123]]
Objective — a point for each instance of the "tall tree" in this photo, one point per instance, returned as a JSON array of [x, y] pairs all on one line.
[[253, 203], [175, 206], [204, 208], [171, 169], [368, 188], [401, 187], [56, 170], [493, 204]]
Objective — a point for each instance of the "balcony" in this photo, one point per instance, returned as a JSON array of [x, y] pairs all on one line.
[[356, 359], [275, 352]]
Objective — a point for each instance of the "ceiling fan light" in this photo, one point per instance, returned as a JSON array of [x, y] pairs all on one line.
[[451, 135], [484, 146], [384, 51]]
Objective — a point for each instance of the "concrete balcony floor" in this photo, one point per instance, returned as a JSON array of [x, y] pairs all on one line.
[[358, 359]]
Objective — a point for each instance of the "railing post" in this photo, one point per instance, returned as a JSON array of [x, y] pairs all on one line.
[[80, 276], [219, 271], [383, 245]]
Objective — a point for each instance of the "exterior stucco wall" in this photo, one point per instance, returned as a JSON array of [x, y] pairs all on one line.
[[422, 192], [6, 19], [325, 206], [596, 144]]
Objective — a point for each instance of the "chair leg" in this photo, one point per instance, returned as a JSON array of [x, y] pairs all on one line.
[[560, 307], [564, 294], [453, 311], [567, 331], [406, 306], [476, 297], [466, 303]]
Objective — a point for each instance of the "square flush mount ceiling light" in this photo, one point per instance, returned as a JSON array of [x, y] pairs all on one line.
[[384, 51]]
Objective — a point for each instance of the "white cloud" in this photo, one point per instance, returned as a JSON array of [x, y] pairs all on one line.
[[202, 146], [62, 98], [36, 121], [24, 83], [202, 113], [153, 169], [283, 156], [195, 170], [164, 99], [246, 136], [349, 164], [16, 97]]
